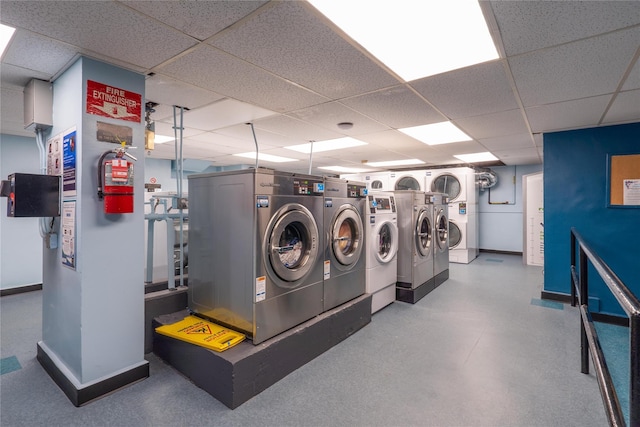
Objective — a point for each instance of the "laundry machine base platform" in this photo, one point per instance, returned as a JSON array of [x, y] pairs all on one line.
[[242, 372], [412, 296], [382, 298], [441, 278]]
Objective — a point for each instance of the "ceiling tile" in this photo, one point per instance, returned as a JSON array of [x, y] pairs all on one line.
[[99, 26], [625, 108], [167, 91], [16, 76], [502, 143], [525, 156], [330, 114], [492, 125], [290, 41], [576, 70], [222, 73], [223, 113], [166, 129], [200, 20], [393, 140], [263, 136], [294, 128], [470, 91], [567, 115], [531, 25], [397, 107], [633, 80], [41, 54], [465, 147]]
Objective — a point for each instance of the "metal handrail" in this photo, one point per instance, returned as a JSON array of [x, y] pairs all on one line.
[[589, 337]]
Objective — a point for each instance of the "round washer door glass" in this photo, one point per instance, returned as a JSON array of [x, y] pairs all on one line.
[[346, 235], [407, 183], [292, 247], [455, 235], [448, 184], [442, 230], [376, 185], [423, 233], [386, 244]]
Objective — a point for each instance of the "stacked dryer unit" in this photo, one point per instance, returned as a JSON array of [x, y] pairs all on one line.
[[441, 238], [382, 249], [344, 234], [460, 185], [408, 180], [415, 252], [257, 249]]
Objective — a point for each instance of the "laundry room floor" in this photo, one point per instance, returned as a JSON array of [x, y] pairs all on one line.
[[480, 350]]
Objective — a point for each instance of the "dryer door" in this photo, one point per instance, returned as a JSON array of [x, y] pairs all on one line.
[[347, 234], [424, 233], [291, 245], [384, 242], [407, 183], [448, 184], [442, 230], [455, 235]]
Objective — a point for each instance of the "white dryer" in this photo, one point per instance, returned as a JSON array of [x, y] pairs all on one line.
[[463, 243], [382, 249], [375, 181], [459, 184], [415, 252], [408, 180]]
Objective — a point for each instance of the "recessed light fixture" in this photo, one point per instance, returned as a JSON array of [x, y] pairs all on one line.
[[436, 133], [161, 139], [343, 169], [332, 144], [266, 157], [476, 157], [420, 38], [405, 162], [6, 33]]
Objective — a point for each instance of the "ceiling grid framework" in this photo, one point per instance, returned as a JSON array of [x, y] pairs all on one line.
[[287, 69]]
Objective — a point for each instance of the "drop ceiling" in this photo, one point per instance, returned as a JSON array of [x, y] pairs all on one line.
[[284, 67]]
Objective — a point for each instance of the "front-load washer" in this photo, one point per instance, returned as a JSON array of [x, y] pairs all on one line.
[[344, 258], [441, 237], [382, 249], [256, 249], [415, 252]]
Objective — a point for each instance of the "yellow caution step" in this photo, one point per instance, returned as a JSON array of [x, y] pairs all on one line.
[[197, 331]]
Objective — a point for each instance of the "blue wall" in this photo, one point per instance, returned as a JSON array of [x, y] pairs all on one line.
[[575, 195]]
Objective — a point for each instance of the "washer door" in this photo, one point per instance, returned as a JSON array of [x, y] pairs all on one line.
[[385, 242], [407, 183], [448, 184], [455, 235], [442, 230], [292, 244], [424, 233], [346, 237]]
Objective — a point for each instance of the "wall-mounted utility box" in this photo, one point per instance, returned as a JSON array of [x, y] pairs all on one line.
[[33, 195], [38, 105]]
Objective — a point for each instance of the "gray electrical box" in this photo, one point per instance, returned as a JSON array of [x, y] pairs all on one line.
[[38, 105]]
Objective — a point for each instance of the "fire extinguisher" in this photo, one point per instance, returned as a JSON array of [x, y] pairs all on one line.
[[115, 181]]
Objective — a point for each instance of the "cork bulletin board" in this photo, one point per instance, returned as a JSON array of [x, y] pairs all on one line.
[[624, 180]]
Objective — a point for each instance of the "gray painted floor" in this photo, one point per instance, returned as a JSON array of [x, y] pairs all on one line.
[[480, 350]]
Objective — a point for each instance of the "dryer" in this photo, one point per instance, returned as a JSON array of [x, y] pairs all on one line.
[[463, 242], [382, 249], [441, 237], [256, 249], [457, 183], [408, 180], [415, 252], [344, 258]]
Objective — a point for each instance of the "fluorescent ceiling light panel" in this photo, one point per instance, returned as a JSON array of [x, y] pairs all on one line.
[[343, 169], [161, 139], [331, 144], [420, 37], [6, 33], [266, 157], [405, 162], [476, 157], [437, 133]]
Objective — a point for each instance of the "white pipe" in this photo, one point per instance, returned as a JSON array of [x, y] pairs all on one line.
[[43, 170], [310, 157], [255, 141]]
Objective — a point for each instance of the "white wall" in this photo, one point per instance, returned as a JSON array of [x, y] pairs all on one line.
[[20, 241], [501, 225]]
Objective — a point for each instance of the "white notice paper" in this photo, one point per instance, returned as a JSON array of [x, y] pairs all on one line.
[[631, 192]]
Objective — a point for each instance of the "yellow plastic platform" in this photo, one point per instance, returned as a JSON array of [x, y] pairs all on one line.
[[197, 331]]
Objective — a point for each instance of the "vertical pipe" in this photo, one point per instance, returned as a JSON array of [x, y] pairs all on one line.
[[255, 141], [310, 157], [584, 300], [573, 265], [149, 275], [180, 203], [634, 369]]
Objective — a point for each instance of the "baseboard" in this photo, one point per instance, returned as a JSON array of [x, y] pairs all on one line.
[[494, 251], [20, 290], [597, 317], [555, 296]]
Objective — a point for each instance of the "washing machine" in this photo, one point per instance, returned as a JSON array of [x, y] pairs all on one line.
[[256, 249], [415, 251], [344, 256], [382, 249], [408, 180], [441, 237]]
